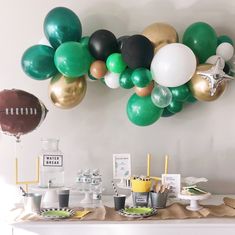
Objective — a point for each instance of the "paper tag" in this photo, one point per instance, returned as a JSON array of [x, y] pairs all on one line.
[[141, 199], [174, 180], [53, 160]]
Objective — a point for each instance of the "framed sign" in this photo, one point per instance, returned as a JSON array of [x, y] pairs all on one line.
[[121, 166], [52, 160], [174, 180]]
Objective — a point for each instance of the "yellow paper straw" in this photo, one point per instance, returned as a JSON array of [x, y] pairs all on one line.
[[148, 164], [26, 183], [166, 164]]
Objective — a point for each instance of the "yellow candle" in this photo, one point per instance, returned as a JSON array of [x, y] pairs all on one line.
[[166, 164], [148, 164]]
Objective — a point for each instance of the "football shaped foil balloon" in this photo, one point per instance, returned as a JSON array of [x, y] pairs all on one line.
[[20, 112]]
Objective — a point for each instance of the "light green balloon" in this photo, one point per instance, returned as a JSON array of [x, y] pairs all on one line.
[[161, 96], [72, 59], [115, 63], [141, 111]]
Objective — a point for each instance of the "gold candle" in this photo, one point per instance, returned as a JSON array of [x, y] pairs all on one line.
[[148, 164], [166, 164]]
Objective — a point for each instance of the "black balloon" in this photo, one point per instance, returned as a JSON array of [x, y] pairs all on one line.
[[137, 51], [121, 41], [103, 43]]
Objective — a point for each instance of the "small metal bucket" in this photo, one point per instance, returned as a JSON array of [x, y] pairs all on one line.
[[140, 199], [158, 200], [32, 202]]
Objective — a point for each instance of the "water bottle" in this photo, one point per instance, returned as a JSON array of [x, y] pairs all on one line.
[[79, 180], [96, 184], [51, 164], [86, 180]]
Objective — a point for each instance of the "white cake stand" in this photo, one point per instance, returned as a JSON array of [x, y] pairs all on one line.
[[194, 200]]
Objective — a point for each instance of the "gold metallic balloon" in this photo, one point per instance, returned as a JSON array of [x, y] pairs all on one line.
[[144, 91], [160, 34], [66, 92], [200, 88]]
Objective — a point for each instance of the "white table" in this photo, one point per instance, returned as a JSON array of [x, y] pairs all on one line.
[[213, 226]]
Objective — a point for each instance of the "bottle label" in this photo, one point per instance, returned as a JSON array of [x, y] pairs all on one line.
[[53, 160]]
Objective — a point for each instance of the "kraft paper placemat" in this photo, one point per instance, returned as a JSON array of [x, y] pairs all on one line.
[[174, 211]]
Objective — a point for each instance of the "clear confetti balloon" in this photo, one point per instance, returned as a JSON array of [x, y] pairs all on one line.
[[161, 96]]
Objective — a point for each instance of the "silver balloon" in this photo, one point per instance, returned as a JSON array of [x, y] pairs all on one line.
[[161, 96], [231, 64], [215, 76]]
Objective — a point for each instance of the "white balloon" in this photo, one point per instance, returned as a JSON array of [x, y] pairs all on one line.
[[225, 50], [213, 59], [112, 80], [44, 41], [173, 65]]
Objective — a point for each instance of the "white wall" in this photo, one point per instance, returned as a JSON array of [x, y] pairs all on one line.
[[200, 140]]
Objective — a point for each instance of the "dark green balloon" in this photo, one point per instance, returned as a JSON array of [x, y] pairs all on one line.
[[167, 113], [227, 69], [202, 39], [91, 77], [62, 25], [191, 99], [38, 62], [72, 59], [180, 93], [175, 106], [115, 63], [224, 38], [125, 79], [141, 111], [84, 41], [102, 81], [141, 77]]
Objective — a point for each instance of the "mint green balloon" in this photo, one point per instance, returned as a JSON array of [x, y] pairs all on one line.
[[141, 111], [141, 77], [62, 25], [115, 63], [125, 79], [38, 62], [72, 59], [202, 39]]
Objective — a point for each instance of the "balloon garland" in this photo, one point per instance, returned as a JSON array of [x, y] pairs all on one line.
[[164, 73]]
